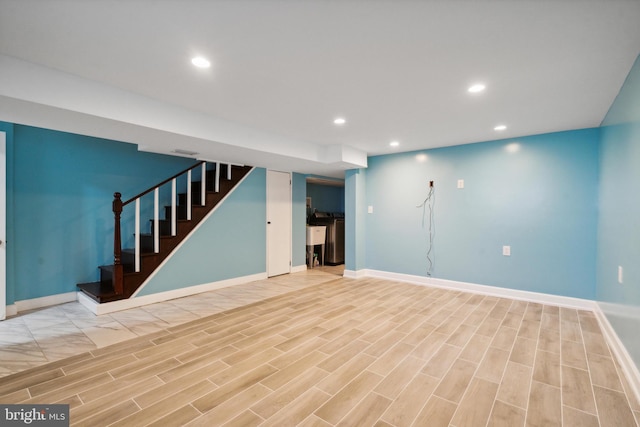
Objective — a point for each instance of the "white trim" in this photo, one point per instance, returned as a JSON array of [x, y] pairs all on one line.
[[299, 268], [188, 236], [12, 310], [189, 195], [110, 307], [629, 368], [562, 301], [3, 226], [156, 220], [203, 186], [174, 217], [30, 304], [216, 182], [137, 236], [353, 274], [621, 310]]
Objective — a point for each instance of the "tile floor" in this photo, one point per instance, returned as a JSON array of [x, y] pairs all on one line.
[[40, 336], [329, 351]]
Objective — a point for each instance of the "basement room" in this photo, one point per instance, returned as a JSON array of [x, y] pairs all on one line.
[[383, 213]]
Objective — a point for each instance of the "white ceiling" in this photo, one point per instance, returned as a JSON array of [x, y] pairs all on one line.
[[283, 70]]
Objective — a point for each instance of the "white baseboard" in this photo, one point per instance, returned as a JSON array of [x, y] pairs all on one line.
[[629, 368], [111, 307], [353, 274], [189, 235], [30, 304], [562, 301], [299, 268], [12, 310]]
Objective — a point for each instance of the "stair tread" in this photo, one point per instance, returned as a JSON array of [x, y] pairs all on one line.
[[103, 291], [100, 292], [133, 251], [151, 235]]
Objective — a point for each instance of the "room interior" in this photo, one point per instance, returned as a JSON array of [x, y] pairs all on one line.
[[485, 157]]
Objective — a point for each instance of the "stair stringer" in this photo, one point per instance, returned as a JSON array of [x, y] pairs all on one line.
[[190, 263]]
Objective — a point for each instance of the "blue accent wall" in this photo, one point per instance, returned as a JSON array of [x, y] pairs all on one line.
[[59, 192], [230, 243], [537, 194], [355, 220], [60, 223], [619, 218], [299, 220], [326, 198], [7, 128]]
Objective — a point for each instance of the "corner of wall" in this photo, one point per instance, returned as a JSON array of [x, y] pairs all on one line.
[[625, 361]]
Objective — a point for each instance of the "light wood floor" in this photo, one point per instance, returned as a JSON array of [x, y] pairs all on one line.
[[354, 353]]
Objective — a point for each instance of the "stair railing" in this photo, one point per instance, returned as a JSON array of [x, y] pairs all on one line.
[[118, 206]]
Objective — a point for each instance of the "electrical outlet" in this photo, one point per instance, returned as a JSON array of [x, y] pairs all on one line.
[[461, 183], [370, 209], [506, 250], [620, 273]]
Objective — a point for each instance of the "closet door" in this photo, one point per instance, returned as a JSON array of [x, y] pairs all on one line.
[[278, 223]]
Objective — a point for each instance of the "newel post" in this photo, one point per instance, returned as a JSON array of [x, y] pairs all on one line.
[[118, 279]]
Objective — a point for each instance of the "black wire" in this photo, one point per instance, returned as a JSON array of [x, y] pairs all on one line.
[[428, 202]]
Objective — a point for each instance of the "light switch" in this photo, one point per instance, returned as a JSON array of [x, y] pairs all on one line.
[[620, 272], [370, 209], [506, 250]]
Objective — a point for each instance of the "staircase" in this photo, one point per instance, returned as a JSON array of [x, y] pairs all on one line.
[[132, 266]]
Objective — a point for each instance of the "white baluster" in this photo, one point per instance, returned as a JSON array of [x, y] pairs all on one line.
[[189, 195], [217, 186], [229, 171], [137, 234], [156, 220], [173, 207], [203, 190]]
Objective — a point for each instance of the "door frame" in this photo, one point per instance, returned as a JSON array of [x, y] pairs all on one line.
[[289, 225], [3, 225]]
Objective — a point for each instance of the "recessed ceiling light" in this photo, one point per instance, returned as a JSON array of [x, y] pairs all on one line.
[[394, 143], [476, 88], [201, 62], [339, 121], [500, 128]]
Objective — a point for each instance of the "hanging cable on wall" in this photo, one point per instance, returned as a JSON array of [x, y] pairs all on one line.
[[429, 204]]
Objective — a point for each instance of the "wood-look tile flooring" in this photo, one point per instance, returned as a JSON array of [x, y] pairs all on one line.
[[36, 337], [346, 352]]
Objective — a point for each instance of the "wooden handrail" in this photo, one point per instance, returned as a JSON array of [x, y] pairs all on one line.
[[118, 271], [117, 278], [118, 205], [163, 183]]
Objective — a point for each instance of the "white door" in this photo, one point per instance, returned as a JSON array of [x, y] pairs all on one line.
[[278, 223], [3, 228]]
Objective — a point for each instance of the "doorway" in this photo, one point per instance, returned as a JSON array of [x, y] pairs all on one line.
[[279, 220], [325, 207]]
